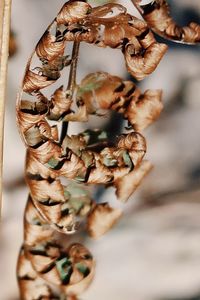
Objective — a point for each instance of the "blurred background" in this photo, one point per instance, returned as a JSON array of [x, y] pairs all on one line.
[[153, 253]]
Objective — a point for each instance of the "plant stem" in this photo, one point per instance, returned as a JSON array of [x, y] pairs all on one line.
[[71, 83], [5, 13], [73, 67], [137, 6]]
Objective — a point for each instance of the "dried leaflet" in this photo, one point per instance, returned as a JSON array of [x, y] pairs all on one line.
[[71, 268], [101, 219], [126, 186], [55, 208], [32, 286], [158, 17], [101, 91]]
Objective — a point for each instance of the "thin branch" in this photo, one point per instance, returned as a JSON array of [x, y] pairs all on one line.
[[137, 6], [71, 83], [73, 68], [5, 12]]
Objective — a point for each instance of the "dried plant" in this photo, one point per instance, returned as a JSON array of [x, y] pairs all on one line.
[[47, 261], [157, 15], [5, 12]]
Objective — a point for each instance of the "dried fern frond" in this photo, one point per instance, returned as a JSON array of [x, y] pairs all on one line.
[[71, 269], [32, 286], [158, 17], [89, 157], [78, 21], [100, 92]]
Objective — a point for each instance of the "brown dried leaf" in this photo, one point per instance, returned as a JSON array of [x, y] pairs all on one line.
[[101, 219], [144, 64], [41, 263], [35, 230], [73, 11], [47, 151], [61, 103], [145, 110], [133, 141], [34, 82], [100, 91], [158, 17], [31, 285], [72, 167], [29, 114], [51, 213], [35, 168], [104, 10], [44, 191], [126, 185], [80, 287], [48, 48], [97, 91], [100, 174]]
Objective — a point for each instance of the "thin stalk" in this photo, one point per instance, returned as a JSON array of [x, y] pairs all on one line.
[[73, 67], [5, 13], [71, 83], [137, 6]]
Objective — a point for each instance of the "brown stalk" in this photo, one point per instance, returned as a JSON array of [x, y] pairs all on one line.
[[73, 68], [71, 83], [135, 3], [5, 10]]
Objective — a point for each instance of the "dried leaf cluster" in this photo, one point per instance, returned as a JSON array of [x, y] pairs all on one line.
[[56, 209], [157, 15]]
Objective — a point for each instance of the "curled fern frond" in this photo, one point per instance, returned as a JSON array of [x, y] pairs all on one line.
[[60, 167], [158, 17]]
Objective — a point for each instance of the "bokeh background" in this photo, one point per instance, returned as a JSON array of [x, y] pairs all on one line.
[[153, 253]]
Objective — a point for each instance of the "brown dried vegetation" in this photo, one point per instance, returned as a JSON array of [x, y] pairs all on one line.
[[157, 15], [54, 208]]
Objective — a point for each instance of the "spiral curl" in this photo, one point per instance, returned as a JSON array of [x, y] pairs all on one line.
[[158, 17], [55, 208]]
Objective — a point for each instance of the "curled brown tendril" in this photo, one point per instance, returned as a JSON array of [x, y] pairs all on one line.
[[141, 51], [76, 158], [157, 15], [59, 170], [69, 269]]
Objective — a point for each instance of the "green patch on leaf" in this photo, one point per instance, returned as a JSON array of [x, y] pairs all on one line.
[[76, 203], [78, 197], [87, 158], [64, 268], [66, 193], [109, 162], [52, 162], [83, 269], [76, 190], [127, 159], [39, 247], [89, 87], [103, 135], [95, 136], [80, 178], [36, 221]]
